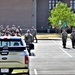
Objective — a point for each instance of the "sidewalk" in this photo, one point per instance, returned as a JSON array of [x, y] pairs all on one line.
[[49, 36]]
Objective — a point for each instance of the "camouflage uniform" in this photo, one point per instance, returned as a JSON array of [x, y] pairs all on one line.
[[28, 39], [13, 30], [72, 37], [33, 31], [2, 30], [20, 30], [64, 38], [7, 30]]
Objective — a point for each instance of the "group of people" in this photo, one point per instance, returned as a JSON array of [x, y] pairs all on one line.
[[13, 30], [29, 36], [64, 38]]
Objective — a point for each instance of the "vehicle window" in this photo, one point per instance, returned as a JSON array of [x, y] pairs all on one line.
[[11, 42], [16, 44], [5, 43]]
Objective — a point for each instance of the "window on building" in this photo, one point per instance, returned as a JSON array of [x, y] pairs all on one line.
[[72, 4], [52, 3]]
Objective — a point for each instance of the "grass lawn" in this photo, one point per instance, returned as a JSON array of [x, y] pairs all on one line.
[[48, 35], [45, 35]]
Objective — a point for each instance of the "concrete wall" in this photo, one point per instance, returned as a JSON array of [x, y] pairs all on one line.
[[18, 12], [42, 14]]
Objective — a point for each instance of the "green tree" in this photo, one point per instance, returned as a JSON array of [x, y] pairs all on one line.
[[63, 14]]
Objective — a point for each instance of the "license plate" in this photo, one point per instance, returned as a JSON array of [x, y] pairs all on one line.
[[4, 70]]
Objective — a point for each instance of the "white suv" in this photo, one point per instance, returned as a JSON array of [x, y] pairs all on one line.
[[14, 57]]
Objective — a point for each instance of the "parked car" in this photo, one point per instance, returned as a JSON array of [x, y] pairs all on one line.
[[14, 57]]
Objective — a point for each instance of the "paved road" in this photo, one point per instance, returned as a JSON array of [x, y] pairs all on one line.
[[52, 59]]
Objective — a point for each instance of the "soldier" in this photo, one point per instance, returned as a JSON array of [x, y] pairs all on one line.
[[33, 31], [13, 30], [28, 39], [72, 37], [2, 30], [18, 32], [7, 30], [20, 29], [64, 38]]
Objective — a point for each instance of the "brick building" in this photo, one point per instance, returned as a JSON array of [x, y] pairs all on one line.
[[28, 13]]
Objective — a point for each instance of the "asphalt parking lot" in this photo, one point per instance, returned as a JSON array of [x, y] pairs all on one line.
[[51, 59]]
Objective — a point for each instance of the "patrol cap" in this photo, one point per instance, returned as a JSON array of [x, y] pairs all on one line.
[[13, 25], [28, 31]]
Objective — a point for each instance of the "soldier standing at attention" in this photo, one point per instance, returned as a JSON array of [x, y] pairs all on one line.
[[13, 30], [7, 30], [33, 32], [2, 30], [64, 38], [20, 29], [72, 37]]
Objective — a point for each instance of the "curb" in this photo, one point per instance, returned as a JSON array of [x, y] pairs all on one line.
[[52, 39], [49, 39]]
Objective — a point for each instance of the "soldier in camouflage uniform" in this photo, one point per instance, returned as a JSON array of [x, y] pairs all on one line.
[[2, 30], [7, 30], [28, 39], [72, 37], [13, 30], [64, 38], [33, 31], [20, 30]]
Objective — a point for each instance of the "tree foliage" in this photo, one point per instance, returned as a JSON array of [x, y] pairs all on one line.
[[61, 12]]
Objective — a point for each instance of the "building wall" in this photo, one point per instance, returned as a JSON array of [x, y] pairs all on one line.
[[18, 12], [22, 12], [66, 1], [42, 14]]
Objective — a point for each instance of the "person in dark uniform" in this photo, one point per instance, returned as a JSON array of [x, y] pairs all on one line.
[[72, 37], [28, 39], [64, 38], [34, 32]]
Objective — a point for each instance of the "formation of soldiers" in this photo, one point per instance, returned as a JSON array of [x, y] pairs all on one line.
[[72, 37], [13, 30], [29, 36]]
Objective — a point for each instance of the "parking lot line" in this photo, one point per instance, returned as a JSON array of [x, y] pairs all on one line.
[[65, 52], [35, 71]]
